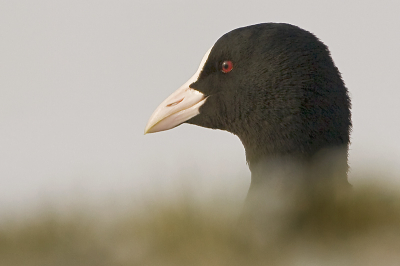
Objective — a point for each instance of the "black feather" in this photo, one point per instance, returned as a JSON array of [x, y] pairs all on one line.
[[286, 101]]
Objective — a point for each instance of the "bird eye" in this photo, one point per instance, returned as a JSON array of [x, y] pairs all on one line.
[[226, 66]]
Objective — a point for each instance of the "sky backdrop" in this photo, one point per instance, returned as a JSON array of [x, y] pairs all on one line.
[[79, 80]]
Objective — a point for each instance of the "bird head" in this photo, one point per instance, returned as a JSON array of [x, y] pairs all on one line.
[[273, 85]]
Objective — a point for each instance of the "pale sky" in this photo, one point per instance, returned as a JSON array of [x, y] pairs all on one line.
[[79, 80]]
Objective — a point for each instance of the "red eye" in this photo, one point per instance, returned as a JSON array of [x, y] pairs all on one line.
[[227, 66]]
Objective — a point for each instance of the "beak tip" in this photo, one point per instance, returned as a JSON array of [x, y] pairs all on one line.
[[146, 130]]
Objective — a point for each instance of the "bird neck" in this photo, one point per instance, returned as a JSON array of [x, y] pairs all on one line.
[[324, 171]]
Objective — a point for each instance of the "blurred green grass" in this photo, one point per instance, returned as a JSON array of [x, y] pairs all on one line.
[[360, 229]]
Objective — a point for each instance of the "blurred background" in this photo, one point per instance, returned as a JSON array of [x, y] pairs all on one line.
[[81, 185], [79, 80]]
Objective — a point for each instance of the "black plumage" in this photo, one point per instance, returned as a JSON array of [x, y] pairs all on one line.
[[286, 101]]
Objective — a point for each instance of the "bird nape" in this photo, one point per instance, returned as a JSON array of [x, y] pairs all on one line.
[[276, 87]]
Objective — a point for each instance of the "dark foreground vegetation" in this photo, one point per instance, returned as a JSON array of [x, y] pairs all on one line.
[[361, 229]]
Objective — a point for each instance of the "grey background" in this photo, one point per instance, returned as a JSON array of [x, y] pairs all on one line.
[[79, 79]]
